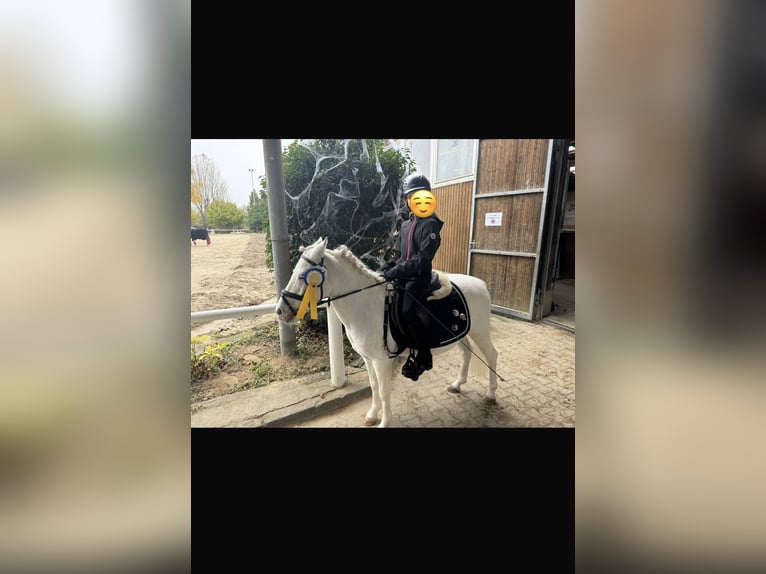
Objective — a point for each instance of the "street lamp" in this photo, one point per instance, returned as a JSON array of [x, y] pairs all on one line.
[[251, 179]]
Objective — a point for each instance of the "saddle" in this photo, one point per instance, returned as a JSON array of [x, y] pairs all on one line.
[[446, 305]]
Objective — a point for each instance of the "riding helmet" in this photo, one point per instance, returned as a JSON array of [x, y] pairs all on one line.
[[414, 182]]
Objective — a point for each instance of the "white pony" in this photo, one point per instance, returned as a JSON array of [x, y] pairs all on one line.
[[357, 294]]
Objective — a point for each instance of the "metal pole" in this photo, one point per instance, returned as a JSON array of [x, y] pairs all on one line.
[[280, 247]]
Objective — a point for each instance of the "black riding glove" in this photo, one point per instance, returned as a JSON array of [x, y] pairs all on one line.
[[389, 274]]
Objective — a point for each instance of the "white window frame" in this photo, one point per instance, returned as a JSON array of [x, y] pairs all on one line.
[[457, 179]]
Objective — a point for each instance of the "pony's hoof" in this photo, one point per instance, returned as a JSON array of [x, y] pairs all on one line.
[[452, 389], [368, 422], [488, 401]]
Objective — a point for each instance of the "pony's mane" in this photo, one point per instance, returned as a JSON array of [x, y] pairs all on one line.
[[346, 253]]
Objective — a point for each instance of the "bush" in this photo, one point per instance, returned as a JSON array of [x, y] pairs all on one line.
[[207, 359], [346, 190], [224, 215]]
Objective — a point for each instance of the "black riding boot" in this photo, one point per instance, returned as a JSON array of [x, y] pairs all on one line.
[[424, 359], [411, 369], [417, 327]]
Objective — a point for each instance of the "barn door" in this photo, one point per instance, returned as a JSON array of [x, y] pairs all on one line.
[[509, 202]]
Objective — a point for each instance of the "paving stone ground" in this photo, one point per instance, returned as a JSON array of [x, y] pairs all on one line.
[[537, 361]]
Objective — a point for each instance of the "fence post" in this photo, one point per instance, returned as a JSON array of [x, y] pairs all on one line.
[[335, 340], [334, 333]]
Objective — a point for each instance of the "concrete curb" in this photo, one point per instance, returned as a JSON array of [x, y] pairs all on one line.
[[282, 402]]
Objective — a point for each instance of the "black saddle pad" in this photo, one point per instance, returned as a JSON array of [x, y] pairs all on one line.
[[450, 319]]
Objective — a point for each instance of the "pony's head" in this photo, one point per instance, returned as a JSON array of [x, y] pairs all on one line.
[[309, 267]]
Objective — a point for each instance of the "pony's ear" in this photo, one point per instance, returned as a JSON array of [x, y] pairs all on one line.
[[320, 243]]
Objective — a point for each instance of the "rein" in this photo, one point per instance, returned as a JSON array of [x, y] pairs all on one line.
[[322, 300]]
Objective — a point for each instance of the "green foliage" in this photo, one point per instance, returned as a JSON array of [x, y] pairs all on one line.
[[263, 374], [346, 190], [258, 208], [314, 327], [207, 358], [196, 220], [224, 215], [269, 254]]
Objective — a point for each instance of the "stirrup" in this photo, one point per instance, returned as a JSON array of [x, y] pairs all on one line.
[[411, 369]]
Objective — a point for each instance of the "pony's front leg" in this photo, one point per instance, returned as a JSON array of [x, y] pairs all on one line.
[[384, 370], [371, 417]]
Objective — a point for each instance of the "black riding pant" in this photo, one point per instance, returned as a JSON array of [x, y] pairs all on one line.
[[415, 315]]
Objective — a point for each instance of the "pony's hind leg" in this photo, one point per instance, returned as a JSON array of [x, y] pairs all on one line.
[[490, 355], [371, 417], [465, 362]]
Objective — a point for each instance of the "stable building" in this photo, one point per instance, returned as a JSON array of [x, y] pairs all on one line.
[[508, 207]]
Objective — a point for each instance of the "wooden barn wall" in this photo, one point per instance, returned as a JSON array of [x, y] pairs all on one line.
[[507, 278], [510, 165], [453, 206], [521, 222]]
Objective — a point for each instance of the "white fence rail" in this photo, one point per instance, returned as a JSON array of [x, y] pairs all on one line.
[[334, 333], [233, 312]]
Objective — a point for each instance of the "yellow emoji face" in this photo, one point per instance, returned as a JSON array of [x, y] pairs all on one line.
[[422, 203]]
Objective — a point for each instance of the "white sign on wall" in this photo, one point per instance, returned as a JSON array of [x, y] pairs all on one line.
[[493, 219]]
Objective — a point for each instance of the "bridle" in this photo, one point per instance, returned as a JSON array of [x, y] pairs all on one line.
[[319, 267]]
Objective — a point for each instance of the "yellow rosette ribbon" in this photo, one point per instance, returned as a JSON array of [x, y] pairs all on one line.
[[313, 278]]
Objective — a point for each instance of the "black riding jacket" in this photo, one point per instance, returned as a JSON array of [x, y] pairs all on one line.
[[419, 239]]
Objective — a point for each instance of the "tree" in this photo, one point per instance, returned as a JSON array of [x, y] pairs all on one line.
[[207, 185], [258, 208], [346, 190], [196, 220], [224, 215], [195, 185]]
